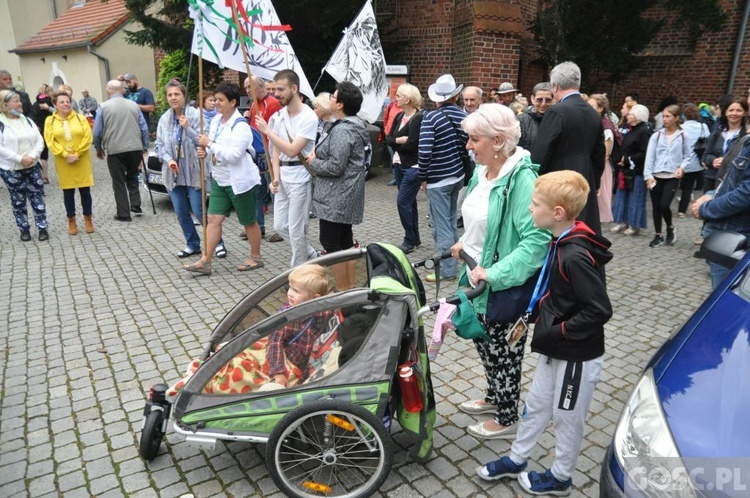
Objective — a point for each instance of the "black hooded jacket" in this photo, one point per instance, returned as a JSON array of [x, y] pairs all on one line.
[[575, 306]]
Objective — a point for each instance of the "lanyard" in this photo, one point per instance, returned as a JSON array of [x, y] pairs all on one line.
[[177, 136], [544, 276]]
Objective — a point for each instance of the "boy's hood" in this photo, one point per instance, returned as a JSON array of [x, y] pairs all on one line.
[[596, 245]]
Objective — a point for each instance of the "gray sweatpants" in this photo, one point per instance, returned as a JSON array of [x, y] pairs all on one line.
[[561, 391]]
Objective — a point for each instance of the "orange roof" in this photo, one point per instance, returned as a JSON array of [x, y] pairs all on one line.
[[93, 22]]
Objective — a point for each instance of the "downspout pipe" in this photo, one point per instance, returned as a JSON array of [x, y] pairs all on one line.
[[90, 48], [52, 10], [738, 48]]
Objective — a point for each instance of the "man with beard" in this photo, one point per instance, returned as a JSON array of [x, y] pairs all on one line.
[[140, 95], [292, 136], [541, 99], [6, 83]]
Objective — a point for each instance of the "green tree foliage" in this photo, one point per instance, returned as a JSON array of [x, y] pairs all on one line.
[[605, 36]]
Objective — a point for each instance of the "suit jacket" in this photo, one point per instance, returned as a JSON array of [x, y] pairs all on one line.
[[571, 137]]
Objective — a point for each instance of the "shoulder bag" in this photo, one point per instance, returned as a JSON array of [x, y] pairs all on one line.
[[506, 306]]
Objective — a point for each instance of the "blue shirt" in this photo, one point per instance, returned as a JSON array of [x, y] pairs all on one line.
[[441, 143]]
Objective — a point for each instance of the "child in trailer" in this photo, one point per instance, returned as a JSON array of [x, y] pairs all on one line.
[[569, 336], [282, 359]]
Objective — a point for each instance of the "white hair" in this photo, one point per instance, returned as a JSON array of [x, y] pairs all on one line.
[[115, 86], [566, 75], [639, 112], [494, 120]]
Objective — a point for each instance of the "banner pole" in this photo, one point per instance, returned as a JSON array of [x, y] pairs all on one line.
[[203, 159]]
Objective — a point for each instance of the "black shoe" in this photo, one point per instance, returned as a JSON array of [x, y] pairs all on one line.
[[697, 255], [25, 236], [43, 235], [670, 236], [658, 240], [123, 218], [243, 235], [136, 211], [406, 248]]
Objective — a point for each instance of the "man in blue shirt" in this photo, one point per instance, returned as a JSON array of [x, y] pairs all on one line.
[[140, 95]]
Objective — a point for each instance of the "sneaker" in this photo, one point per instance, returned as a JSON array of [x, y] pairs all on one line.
[[698, 241], [658, 240], [618, 228], [544, 484], [432, 277], [505, 467], [43, 234], [26, 236], [670, 236], [243, 235], [406, 248], [680, 215], [632, 231], [391, 183]]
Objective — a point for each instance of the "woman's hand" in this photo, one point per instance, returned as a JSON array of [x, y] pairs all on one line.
[[27, 161], [456, 250], [717, 162], [477, 274], [274, 187], [650, 183], [184, 122], [680, 172], [71, 158], [201, 152], [203, 140], [174, 167]]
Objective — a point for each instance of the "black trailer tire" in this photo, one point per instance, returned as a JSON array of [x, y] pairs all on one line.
[[151, 435], [351, 457]]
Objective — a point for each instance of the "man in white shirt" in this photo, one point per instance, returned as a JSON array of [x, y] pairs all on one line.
[[292, 135]]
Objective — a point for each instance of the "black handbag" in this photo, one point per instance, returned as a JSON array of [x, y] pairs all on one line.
[[700, 145], [507, 305]]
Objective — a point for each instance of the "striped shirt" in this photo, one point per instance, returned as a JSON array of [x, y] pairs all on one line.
[[439, 145]]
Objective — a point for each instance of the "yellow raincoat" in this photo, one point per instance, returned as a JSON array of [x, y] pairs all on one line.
[[70, 136]]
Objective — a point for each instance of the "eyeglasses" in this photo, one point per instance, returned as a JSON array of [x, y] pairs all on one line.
[[543, 100]]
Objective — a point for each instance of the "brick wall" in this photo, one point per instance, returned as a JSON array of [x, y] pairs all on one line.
[[438, 36]]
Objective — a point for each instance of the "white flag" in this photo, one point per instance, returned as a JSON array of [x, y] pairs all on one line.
[[359, 58], [215, 39]]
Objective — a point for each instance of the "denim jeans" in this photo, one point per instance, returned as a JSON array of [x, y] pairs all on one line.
[[443, 208], [185, 199], [69, 198], [291, 218], [406, 201]]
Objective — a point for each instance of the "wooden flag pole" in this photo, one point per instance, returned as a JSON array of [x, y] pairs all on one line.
[[203, 159], [253, 92]]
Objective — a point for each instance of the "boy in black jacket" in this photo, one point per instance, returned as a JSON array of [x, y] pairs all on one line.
[[569, 336]]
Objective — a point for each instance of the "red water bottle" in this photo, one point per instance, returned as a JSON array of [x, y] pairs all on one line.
[[410, 394]]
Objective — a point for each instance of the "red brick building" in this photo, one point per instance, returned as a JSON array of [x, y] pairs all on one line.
[[487, 42]]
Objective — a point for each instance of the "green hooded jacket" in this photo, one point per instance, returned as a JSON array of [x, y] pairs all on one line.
[[522, 248]]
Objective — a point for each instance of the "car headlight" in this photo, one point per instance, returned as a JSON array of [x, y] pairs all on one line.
[[644, 447]]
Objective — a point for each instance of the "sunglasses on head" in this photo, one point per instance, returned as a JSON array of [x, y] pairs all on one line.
[[9, 96]]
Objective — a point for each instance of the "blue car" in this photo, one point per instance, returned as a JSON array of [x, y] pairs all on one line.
[[685, 432]]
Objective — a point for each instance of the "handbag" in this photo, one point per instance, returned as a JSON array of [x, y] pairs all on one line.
[[465, 320], [507, 305], [700, 145], [466, 162]]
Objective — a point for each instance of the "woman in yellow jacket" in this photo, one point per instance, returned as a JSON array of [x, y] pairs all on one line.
[[68, 137]]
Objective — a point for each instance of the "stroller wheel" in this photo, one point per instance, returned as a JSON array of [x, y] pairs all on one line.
[[329, 447], [151, 435]]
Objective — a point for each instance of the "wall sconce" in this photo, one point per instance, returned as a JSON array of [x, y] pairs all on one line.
[[65, 58], [43, 60]]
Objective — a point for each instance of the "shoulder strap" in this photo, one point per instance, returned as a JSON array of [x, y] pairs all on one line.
[[504, 209]]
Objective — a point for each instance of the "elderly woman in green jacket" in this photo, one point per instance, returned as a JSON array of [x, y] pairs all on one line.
[[508, 252]]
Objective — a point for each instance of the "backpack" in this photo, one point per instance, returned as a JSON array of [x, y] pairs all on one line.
[[256, 149]]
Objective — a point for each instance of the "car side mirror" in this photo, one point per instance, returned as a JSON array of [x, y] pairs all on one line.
[[724, 248]]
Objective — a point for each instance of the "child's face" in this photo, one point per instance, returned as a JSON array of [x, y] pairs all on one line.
[[541, 212], [298, 294]]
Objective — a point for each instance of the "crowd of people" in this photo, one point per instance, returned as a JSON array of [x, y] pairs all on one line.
[[532, 181]]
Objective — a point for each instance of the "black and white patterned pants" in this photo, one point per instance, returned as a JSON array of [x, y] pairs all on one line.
[[502, 369]]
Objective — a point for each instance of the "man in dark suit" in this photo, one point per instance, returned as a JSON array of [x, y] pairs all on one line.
[[571, 137]]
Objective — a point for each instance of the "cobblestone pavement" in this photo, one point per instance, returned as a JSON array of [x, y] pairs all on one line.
[[89, 322]]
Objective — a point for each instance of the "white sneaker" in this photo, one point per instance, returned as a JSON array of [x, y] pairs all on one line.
[[632, 231], [618, 228]]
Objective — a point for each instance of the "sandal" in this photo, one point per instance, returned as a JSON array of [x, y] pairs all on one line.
[[187, 252], [256, 264], [220, 252], [203, 269]]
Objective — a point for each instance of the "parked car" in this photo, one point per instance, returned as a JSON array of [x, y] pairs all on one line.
[[152, 178], [684, 431]]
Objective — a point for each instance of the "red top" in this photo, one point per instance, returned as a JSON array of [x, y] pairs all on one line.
[[390, 114]]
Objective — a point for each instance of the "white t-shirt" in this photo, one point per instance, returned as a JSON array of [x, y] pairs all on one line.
[[304, 124]]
